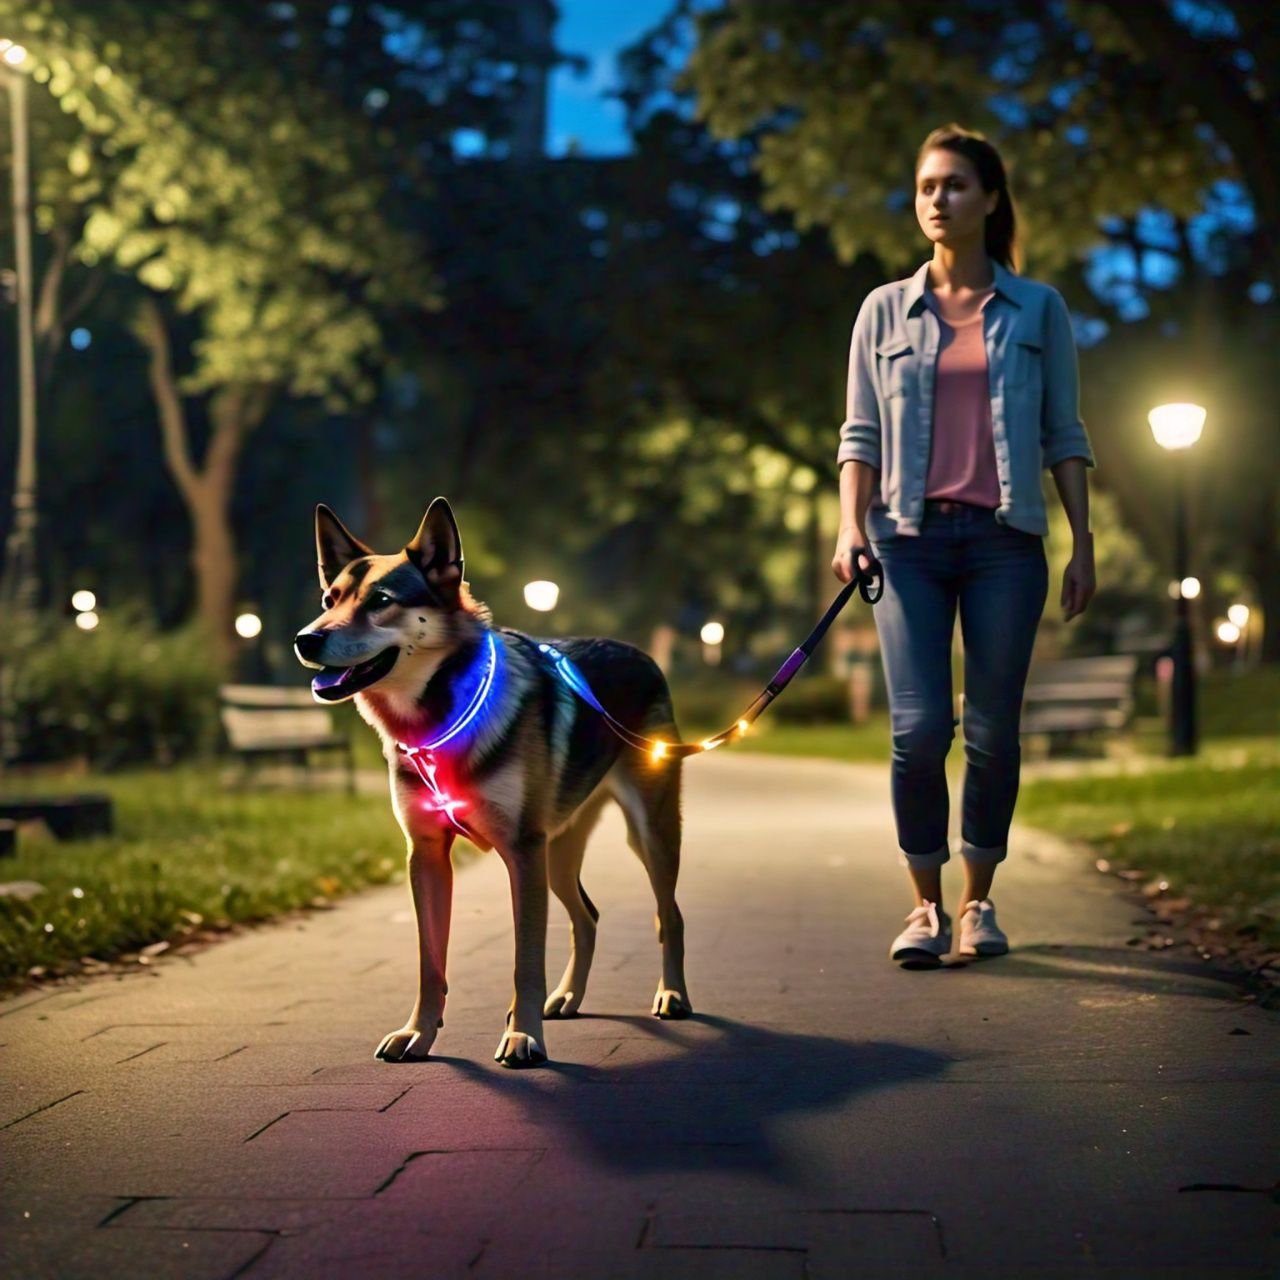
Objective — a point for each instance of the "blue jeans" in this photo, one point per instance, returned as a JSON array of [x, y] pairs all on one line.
[[998, 577]]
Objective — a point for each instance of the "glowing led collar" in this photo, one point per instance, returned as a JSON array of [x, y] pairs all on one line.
[[422, 758]]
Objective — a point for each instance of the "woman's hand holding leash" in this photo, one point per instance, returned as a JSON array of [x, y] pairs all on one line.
[[851, 547]]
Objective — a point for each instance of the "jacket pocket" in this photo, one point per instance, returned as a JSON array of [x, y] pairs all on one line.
[[1025, 356], [893, 360]]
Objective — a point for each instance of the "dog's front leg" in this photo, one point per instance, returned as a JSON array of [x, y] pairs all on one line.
[[521, 1044], [431, 883]]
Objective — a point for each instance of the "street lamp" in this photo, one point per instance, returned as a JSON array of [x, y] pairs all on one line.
[[541, 596], [1176, 427], [248, 626], [19, 583], [712, 637]]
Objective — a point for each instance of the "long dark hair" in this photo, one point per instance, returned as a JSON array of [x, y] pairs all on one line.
[[1001, 232]]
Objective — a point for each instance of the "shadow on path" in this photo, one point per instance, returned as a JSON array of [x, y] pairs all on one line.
[[710, 1106], [1150, 971]]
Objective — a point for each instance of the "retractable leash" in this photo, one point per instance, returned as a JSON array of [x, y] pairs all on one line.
[[868, 584]]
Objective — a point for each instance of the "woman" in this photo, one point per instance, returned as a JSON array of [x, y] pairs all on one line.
[[962, 388]]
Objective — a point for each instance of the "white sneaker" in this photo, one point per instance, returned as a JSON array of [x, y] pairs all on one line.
[[925, 940], [979, 933]]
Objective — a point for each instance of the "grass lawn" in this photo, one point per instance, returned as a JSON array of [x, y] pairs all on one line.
[[187, 856], [867, 742], [1209, 828]]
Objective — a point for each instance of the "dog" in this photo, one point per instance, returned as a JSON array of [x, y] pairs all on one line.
[[527, 774]]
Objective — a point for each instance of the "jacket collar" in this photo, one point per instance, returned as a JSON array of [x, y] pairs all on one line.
[[1007, 285]]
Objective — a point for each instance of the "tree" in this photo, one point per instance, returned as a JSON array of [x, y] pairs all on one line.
[[836, 98], [240, 203]]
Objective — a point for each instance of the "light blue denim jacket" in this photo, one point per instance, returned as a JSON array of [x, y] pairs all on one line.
[[1035, 391]]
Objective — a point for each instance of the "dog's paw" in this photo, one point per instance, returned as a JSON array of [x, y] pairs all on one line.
[[671, 1004], [517, 1050], [561, 1004], [409, 1044]]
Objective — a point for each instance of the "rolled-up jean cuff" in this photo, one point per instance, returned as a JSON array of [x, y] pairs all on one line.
[[972, 853], [924, 861]]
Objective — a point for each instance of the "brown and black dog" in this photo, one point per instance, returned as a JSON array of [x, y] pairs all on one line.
[[528, 775]]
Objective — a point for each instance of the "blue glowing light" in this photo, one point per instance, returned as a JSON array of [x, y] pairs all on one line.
[[477, 699]]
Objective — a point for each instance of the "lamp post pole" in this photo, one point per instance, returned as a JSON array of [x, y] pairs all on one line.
[[1176, 428], [1183, 736], [19, 587], [19, 583]]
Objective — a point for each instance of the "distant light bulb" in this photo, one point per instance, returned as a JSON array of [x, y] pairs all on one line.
[[541, 595], [1176, 426], [14, 54], [1228, 632], [1239, 614], [87, 620], [248, 625], [712, 632], [1190, 588], [84, 601]]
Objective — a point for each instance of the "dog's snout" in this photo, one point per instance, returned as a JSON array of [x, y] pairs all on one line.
[[308, 644]]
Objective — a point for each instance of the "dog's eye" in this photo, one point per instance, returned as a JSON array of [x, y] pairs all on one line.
[[380, 600]]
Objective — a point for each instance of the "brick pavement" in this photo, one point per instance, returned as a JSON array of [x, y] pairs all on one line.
[[824, 1114]]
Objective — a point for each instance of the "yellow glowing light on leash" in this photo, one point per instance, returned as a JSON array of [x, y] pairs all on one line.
[[659, 750], [742, 726]]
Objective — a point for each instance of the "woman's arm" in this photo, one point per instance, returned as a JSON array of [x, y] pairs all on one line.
[[857, 484], [859, 454], [1079, 581]]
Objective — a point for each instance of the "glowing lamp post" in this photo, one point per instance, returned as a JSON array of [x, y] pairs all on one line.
[[1176, 427], [248, 626], [712, 635], [85, 603], [541, 596]]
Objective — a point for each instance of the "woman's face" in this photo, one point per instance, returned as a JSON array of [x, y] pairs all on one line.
[[951, 205]]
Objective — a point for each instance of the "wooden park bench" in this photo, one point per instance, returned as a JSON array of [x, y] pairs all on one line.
[[264, 722], [1073, 697], [69, 817]]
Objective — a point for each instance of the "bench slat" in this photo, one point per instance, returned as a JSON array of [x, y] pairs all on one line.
[[1079, 695], [284, 727], [263, 695]]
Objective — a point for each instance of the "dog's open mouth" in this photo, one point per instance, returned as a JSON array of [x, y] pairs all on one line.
[[334, 684]]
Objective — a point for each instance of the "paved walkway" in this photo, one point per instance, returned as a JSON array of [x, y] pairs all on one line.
[[1049, 1114]]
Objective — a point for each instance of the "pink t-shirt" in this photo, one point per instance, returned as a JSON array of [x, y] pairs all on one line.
[[962, 460]]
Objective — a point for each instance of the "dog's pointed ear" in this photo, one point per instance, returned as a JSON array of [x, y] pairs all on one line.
[[336, 546], [436, 549]]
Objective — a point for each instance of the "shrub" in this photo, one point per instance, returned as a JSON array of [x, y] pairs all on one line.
[[815, 699], [121, 693]]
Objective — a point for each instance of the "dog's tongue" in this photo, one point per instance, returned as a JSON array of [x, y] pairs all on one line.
[[331, 677]]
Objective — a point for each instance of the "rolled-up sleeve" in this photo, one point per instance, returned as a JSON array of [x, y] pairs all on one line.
[[860, 431], [1062, 433]]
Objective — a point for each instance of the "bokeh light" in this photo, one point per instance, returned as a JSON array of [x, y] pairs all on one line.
[[541, 595]]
